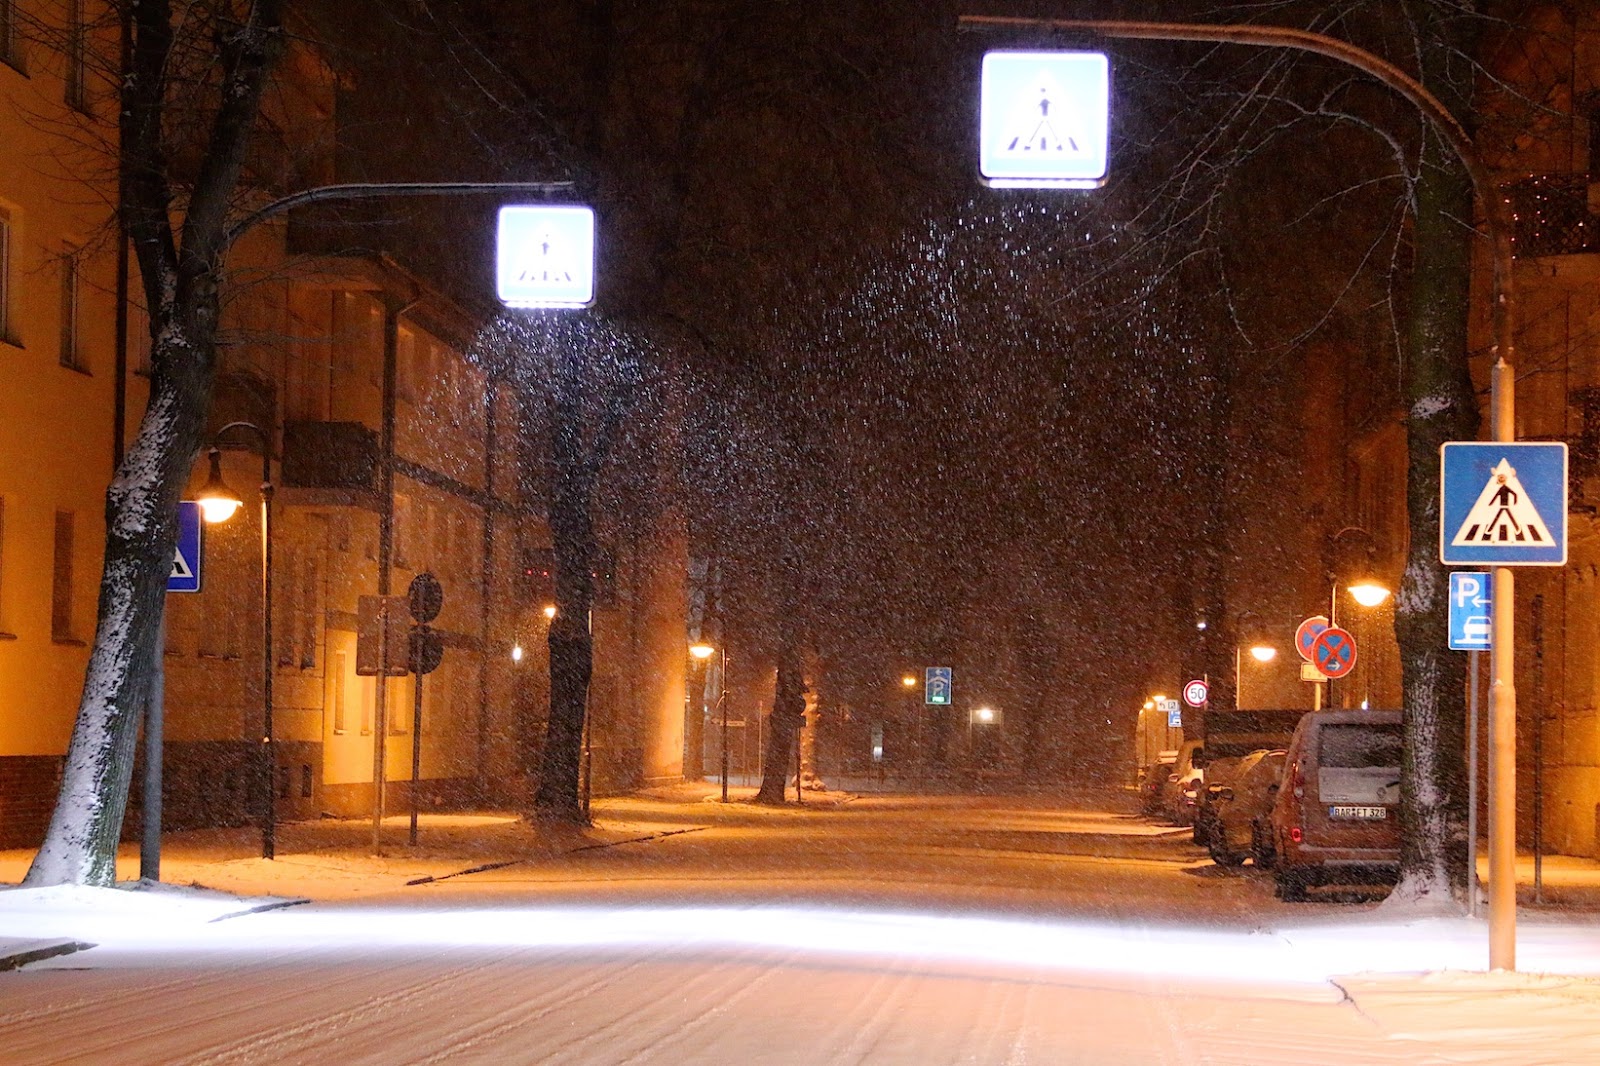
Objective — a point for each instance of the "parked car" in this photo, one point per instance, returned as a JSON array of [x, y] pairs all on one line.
[[1219, 772], [1236, 809], [1151, 781], [1180, 795], [1335, 815]]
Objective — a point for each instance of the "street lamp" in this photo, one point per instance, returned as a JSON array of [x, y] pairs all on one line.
[[1368, 593], [218, 503], [1261, 653], [703, 652]]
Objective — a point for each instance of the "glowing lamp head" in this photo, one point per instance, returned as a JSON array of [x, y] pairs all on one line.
[[217, 501], [516, 653], [1368, 593], [550, 610], [908, 681], [1263, 653], [984, 714], [702, 652], [1149, 705]]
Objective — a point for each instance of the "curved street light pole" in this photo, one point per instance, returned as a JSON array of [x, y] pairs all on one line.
[[1502, 402], [267, 760]]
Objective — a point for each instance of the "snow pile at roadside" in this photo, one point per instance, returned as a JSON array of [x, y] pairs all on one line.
[[1482, 1017], [140, 911]]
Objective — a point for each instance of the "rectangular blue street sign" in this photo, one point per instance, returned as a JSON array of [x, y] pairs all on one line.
[[1043, 119], [1471, 599], [186, 559], [1503, 503], [938, 683]]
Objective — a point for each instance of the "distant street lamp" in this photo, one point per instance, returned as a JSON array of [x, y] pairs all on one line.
[[218, 503], [703, 652]]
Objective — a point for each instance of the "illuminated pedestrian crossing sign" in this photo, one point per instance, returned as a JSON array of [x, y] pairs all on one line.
[[544, 256], [938, 683], [1043, 118], [1503, 504], [185, 575]]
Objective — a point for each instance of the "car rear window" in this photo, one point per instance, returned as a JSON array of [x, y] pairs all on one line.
[[1359, 747]]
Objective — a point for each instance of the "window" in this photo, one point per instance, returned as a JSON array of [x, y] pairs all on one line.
[[3, 632], [338, 692], [71, 282], [1359, 747], [5, 248], [10, 44], [61, 583], [77, 94]]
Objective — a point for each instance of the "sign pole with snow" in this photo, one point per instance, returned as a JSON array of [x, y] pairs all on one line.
[[1425, 873], [1502, 503], [544, 256]]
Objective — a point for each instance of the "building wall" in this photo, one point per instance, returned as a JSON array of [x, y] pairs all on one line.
[[55, 426]]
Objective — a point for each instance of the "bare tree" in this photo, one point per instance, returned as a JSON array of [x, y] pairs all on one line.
[[174, 53]]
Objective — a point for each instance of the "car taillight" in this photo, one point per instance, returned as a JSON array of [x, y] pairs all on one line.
[[1295, 834]]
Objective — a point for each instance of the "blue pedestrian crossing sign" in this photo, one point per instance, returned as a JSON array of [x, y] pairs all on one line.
[[1471, 599], [1503, 503], [938, 683], [1043, 119], [186, 558]]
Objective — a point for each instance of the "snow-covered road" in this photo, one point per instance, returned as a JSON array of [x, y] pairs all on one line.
[[1116, 948]]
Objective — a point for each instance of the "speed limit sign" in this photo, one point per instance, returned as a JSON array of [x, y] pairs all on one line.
[[1195, 692]]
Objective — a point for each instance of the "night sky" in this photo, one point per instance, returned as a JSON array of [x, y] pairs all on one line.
[[936, 422]]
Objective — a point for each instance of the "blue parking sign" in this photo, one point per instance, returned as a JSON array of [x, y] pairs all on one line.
[[938, 686], [1471, 601]]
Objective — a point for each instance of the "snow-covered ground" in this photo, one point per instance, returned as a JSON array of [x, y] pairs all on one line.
[[897, 933]]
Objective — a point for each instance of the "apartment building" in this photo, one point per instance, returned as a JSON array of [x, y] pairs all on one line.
[[357, 374]]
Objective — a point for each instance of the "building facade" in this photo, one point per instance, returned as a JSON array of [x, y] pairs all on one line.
[[393, 451]]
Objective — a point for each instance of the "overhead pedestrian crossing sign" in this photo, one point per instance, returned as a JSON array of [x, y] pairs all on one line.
[[1043, 119], [1503, 503]]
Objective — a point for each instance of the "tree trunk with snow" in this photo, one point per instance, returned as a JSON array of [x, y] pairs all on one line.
[[571, 644], [788, 717], [180, 271], [1442, 406]]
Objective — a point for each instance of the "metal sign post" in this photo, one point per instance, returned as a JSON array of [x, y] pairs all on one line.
[[425, 599], [1502, 503], [185, 577]]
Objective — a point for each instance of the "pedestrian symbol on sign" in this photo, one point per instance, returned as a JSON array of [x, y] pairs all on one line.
[[1033, 130], [1503, 514]]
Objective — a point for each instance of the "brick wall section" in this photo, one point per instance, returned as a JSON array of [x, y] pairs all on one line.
[[28, 786]]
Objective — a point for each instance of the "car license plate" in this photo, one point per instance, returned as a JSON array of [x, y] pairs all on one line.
[[1370, 814]]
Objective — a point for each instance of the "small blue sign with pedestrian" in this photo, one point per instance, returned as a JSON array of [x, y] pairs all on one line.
[[938, 682], [1503, 503], [1043, 119], [1471, 600], [186, 558]]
